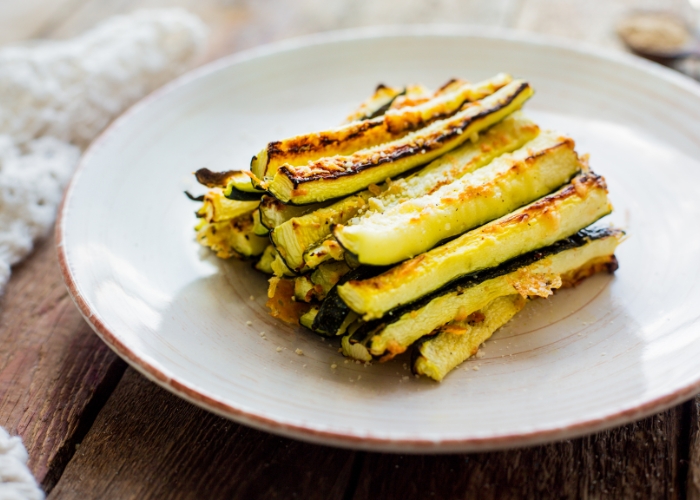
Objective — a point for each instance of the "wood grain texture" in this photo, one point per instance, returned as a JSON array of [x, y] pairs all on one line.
[[147, 443], [55, 373], [642, 460], [693, 482]]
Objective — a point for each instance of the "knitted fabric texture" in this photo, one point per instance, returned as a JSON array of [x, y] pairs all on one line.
[[16, 482], [55, 97]]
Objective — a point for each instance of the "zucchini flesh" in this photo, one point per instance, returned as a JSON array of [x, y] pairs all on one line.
[[334, 313], [327, 275], [338, 176], [264, 265], [326, 250], [216, 207], [258, 227], [446, 103], [355, 136], [376, 105], [295, 236], [279, 266], [439, 355], [307, 319], [240, 187], [273, 212], [534, 226], [506, 136], [414, 95], [511, 181], [304, 289], [533, 274], [232, 238], [354, 350]]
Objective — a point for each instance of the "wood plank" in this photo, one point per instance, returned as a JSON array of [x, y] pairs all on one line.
[[55, 373], [693, 484], [147, 443], [642, 460]]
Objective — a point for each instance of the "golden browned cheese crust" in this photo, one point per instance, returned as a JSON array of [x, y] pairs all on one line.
[[339, 166], [584, 182]]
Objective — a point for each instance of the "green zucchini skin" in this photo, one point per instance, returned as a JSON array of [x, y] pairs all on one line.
[[381, 110], [237, 194], [333, 310], [578, 239], [340, 176]]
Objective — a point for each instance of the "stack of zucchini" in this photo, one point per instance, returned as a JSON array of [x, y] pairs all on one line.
[[425, 221]]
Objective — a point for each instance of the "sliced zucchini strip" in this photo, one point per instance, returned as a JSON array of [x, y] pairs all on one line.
[[295, 236], [326, 250], [279, 266], [355, 136], [236, 184], [447, 101], [334, 313], [264, 265], [337, 176], [327, 275], [506, 136], [273, 212], [506, 184], [231, 238], [440, 354], [534, 226], [376, 105], [307, 319], [258, 228], [304, 288], [414, 95], [217, 208], [533, 274]]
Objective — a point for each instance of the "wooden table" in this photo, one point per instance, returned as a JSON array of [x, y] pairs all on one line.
[[95, 428]]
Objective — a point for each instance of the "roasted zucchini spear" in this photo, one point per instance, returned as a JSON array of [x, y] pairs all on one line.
[[258, 228], [535, 273], [216, 207], [417, 225], [337, 176], [506, 136], [273, 212], [510, 134], [264, 265], [355, 136], [376, 105], [460, 339], [534, 226], [232, 238], [326, 250], [446, 102], [236, 184], [295, 236], [456, 342]]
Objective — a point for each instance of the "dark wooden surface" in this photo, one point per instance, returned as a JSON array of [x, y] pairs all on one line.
[[97, 429]]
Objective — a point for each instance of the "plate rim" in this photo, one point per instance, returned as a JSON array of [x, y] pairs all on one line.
[[338, 438]]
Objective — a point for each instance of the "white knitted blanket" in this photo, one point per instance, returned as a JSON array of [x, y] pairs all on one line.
[[55, 97]]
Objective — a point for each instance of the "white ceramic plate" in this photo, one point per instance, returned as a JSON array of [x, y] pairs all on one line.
[[608, 352]]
